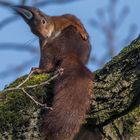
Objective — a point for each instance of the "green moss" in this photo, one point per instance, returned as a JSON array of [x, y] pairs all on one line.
[[35, 79], [16, 109], [13, 111]]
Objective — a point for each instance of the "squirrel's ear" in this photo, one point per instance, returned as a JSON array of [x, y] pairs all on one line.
[[25, 13]]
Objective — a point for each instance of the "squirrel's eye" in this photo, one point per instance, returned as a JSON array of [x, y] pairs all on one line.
[[43, 21]]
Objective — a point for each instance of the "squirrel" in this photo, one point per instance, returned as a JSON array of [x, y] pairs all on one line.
[[64, 44]]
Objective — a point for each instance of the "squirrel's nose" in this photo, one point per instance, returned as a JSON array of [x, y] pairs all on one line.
[[24, 11]]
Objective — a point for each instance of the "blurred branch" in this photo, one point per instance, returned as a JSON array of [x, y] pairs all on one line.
[[8, 21], [132, 31], [6, 3], [108, 22], [23, 2], [19, 47], [52, 2], [17, 69], [38, 3], [12, 19], [122, 16]]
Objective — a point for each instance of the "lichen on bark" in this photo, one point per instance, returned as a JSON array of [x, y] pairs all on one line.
[[116, 111]]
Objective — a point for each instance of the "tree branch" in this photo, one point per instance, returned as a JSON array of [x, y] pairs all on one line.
[[117, 92], [116, 84]]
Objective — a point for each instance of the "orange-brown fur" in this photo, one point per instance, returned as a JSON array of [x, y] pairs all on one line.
[[64, 21]]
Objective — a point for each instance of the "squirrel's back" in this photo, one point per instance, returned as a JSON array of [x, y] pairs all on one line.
[[69, 41]]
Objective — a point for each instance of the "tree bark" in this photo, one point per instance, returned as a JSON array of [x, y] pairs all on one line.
[[115, 110]]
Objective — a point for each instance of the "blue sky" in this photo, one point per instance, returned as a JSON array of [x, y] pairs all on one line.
[[18, 32]]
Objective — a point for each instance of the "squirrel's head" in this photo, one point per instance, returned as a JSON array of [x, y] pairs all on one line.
[[40, 23]]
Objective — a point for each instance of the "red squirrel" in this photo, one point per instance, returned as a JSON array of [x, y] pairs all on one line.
[[64, 44]]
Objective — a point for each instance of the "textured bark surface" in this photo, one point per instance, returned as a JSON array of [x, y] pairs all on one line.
[[117, 90], [116, 111]]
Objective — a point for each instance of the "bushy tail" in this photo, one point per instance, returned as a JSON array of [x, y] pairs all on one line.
[[71, 102]]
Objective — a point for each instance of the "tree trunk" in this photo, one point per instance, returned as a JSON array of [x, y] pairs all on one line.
[[115, 111]]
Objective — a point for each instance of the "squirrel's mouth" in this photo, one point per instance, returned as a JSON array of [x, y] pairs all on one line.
[[24, 11]]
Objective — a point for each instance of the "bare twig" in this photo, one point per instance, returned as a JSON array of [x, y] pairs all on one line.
[[31, 86], [59, 72], [29, 75], [40, 104], [44, 83]]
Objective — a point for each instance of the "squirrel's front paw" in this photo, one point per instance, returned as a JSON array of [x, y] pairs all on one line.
[[36, 70]]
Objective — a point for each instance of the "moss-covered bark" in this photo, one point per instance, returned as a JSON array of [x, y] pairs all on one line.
[[117, 108], [19, 115]]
